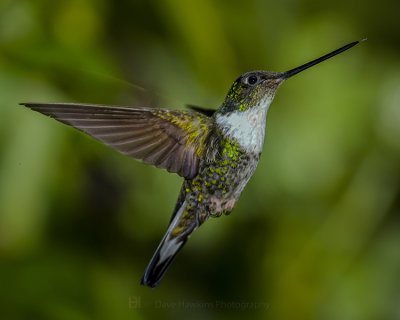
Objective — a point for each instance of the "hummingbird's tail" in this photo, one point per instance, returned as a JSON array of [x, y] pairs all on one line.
[[183, 223]]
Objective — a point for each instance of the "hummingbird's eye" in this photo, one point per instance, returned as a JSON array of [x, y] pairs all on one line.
[[252, 80]]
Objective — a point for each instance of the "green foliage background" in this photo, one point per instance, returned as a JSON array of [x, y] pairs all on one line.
[[315, 234]]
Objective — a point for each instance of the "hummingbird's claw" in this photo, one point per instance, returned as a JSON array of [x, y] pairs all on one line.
[[229, 206], [215, 207], [218, 207]]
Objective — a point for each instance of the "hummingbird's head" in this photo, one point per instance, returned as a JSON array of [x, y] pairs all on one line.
[[258, 88], [251, 89]]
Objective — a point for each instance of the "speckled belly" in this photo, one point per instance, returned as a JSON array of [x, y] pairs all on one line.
[[219, 184]]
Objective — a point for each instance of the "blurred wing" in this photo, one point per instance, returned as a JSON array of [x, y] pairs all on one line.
[[169, 139], [206, 111]]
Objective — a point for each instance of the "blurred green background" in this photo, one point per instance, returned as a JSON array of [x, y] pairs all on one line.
[[315, 234]]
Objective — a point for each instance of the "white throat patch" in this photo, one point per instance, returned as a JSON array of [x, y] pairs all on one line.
[[246, 127]]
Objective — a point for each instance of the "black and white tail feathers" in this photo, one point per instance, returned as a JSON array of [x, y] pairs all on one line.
[[167, 250]]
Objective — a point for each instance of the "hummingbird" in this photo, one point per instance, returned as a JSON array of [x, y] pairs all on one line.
[[215, 151]]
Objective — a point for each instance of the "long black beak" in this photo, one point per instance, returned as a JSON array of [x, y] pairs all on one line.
[[292, 72]]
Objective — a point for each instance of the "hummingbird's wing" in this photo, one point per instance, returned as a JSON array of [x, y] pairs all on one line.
[[170, 139], [206, 111]]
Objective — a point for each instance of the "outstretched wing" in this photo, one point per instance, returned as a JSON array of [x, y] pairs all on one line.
[[169, 139]]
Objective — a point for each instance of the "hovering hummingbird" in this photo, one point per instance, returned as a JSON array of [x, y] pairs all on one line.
[[216, 152]]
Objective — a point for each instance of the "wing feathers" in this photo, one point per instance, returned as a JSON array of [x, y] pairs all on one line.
[[155, 136]]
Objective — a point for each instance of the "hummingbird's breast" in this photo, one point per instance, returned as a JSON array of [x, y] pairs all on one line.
[[221, 181], [246, 127]]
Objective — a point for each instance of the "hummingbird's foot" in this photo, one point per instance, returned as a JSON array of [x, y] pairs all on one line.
[[229, 206], [215, 207]]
